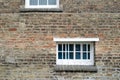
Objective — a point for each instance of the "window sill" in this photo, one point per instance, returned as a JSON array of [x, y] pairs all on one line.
[[41, 10], [89, 68]]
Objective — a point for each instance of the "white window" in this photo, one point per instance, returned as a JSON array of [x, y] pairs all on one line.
[[75, 51], [41, 3]]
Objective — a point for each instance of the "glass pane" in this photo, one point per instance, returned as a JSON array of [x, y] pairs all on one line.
[[67, 55], [84, 47], [59, 55], [66, 47], [71, 47], [77, 47], [71, 56], [77, 56], [42, 2], [63, 47], [88, 47], [52, 2], [88, 55], [63, 55], [33, 2], [59, 47], [84, 55]]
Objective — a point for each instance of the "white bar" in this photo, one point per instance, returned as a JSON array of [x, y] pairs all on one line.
[[75, 39]]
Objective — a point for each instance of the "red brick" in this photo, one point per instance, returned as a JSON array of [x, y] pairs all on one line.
[[12, 29]]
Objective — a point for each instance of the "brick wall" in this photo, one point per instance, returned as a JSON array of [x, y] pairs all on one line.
[[75, 6], [27, 49]]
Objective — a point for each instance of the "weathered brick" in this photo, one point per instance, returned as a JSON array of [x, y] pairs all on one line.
[[12, 29]]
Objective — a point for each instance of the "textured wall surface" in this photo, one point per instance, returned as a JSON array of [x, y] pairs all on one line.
[[27, 49]]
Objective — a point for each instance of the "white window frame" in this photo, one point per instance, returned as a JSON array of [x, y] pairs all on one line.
[[27, 5], [76, 41]]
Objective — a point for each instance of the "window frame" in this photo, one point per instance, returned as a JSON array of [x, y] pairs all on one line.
[[76, 61], [27, 5], [76, 40]]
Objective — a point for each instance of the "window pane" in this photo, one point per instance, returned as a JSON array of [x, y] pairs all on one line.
[[42, 2], [67, 55], [88, 47], [59, 47], [66, 47], [88, 55], [59, 55], [77, 47], [84, 47], [71, 56], [63, 55], [71, 47], [52, 2], [77, 56], [33, 2], [84, 55]]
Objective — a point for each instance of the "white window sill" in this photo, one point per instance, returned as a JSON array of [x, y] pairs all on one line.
[[88, 68], [41, 10]]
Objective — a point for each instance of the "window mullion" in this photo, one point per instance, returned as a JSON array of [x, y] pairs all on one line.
[[68, 52], [74, 51], [62, 51], [65, 52], [47, 2], [81, 51], [87, 50]]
